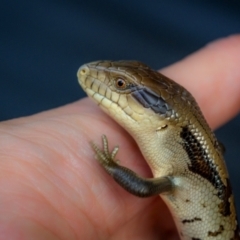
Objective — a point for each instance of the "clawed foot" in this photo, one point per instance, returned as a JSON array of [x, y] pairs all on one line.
[[104, 156]]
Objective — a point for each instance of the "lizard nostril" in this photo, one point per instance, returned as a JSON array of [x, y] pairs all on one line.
[[82, 72]]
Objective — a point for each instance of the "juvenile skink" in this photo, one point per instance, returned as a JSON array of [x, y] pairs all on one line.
[[183, 153]]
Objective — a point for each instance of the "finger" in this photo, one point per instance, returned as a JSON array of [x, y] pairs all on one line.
[[212, 75]]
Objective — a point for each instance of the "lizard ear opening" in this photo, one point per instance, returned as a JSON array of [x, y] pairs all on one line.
[[163, 127]]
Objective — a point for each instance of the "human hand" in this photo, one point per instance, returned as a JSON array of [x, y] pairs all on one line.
[[51, 186]]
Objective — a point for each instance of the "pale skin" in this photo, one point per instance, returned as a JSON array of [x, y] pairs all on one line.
[[51, 187]]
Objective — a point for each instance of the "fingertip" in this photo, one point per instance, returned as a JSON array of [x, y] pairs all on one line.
[[212, 75]]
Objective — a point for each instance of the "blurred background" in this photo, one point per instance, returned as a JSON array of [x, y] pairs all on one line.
[[43, 43]]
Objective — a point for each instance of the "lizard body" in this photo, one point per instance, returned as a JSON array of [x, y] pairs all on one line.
[[185, 157]]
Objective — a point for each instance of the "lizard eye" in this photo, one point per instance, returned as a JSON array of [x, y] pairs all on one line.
[[120, 83]]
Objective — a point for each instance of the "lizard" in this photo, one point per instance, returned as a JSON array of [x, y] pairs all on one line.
[[183, 153]]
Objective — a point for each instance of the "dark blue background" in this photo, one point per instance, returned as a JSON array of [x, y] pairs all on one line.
[[43, 43]]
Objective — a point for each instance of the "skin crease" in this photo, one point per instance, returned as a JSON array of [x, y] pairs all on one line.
[[51, 186]]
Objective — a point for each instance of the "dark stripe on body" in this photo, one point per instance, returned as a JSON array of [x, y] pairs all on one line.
[[203, 165], [191, 220], [216, 233]]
